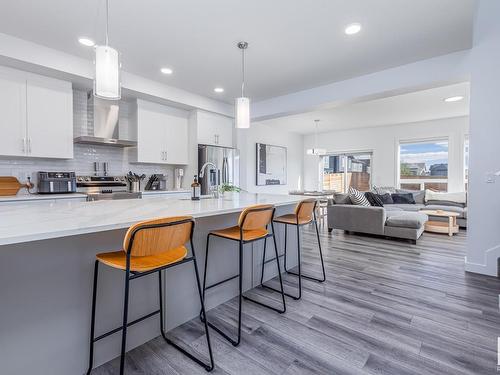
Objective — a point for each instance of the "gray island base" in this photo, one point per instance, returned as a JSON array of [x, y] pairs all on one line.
[[47, 252]]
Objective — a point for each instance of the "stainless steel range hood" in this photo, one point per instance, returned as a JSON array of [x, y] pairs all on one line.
[[105, 115]]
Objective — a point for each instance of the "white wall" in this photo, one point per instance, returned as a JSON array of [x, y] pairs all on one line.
[[383, 141], [483, 239], [259, 133]]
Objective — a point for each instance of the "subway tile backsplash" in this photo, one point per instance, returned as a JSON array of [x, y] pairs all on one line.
[[85, 155]]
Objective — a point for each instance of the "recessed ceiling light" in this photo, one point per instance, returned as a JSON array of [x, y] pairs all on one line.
[[352, 28], [219, 89], [166, 71], [86, 41], [453, 99]]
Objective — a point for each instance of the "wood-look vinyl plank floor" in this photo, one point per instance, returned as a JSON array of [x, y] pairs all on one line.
[[387, 307]]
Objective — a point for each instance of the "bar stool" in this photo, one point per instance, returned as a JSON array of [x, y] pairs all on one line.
[[252, 226], [149, 247], [305, 213]]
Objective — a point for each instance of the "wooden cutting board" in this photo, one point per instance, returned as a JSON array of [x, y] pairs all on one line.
[[9, 185]]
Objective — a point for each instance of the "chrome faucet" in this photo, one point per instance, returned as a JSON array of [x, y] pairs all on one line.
[[214, 189]]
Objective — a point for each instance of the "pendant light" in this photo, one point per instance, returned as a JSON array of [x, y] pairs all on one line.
[[316, 151], [242, 104], [107, 68]]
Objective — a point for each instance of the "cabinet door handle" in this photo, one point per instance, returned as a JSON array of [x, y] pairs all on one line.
[[29, 145], [24, 145]]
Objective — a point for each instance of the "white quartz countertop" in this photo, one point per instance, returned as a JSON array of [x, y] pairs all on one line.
[[26, 222], [160, 192], [39, 197]]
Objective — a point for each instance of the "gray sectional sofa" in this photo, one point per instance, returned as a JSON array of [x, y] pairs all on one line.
[[392, 220]]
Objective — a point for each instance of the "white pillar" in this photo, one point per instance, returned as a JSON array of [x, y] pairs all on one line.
[[483, 244]]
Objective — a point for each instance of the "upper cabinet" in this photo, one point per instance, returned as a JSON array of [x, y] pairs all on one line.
[[213, 129], [37, 118], [162, 134]]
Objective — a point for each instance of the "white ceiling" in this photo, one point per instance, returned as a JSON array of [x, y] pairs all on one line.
[[412, 107], [294, 44]]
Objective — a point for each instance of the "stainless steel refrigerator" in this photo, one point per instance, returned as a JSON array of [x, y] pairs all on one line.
[[227, 161]]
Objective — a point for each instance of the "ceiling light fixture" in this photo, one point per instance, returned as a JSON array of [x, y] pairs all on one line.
[[352, 28], [316, 151], [453, 99], [86, 42], [107, 68], [166, 70], [219, 90], [242, 104]]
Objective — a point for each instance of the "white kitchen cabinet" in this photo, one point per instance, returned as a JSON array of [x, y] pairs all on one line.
[[49, 118], [37, 115], [162, 134], [13, 117], [214, 129]]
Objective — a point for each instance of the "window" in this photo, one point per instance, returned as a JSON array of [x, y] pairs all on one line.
[[340, 171], [424, 165]]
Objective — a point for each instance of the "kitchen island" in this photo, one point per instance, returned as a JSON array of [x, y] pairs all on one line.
[[47, 251]]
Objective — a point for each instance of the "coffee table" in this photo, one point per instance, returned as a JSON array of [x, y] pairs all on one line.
[[449, 226]]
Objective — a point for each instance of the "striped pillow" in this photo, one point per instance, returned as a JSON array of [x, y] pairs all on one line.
[[357, 197]]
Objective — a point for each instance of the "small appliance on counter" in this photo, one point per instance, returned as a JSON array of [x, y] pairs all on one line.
[[157, 182], [105, 187], [56, 182]]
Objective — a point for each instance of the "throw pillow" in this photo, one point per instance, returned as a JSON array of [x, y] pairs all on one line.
[[386, 198], [374, 199], [358, 198], [403, 198]]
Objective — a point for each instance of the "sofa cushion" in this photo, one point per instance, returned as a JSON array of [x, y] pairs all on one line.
[[392, 207], [414, 220], [462, 211], [405, 198], [383, 189], [445, 203], [341, 198], [418, 195], [409, 207], [459, 197]]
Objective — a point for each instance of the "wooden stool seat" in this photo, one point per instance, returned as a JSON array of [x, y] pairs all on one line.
[[292, 219], [118, 259], [233, 233]]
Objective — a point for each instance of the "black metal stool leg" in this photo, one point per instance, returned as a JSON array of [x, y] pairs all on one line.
[[202, 314], [125, 317], [92, 323], [282, 310], [320, 256], [207, 367]]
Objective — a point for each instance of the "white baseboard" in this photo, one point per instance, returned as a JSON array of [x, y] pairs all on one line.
[[490, 265]]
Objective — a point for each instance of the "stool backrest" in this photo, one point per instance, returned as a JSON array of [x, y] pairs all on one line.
[[256, 217], [158, 236], [305, 209]]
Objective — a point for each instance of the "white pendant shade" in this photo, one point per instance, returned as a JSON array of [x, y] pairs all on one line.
[[242, 113], [315, 151], [107, 73]]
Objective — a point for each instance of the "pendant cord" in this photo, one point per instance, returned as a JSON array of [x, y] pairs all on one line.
[[107, 22], [243, 72]]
